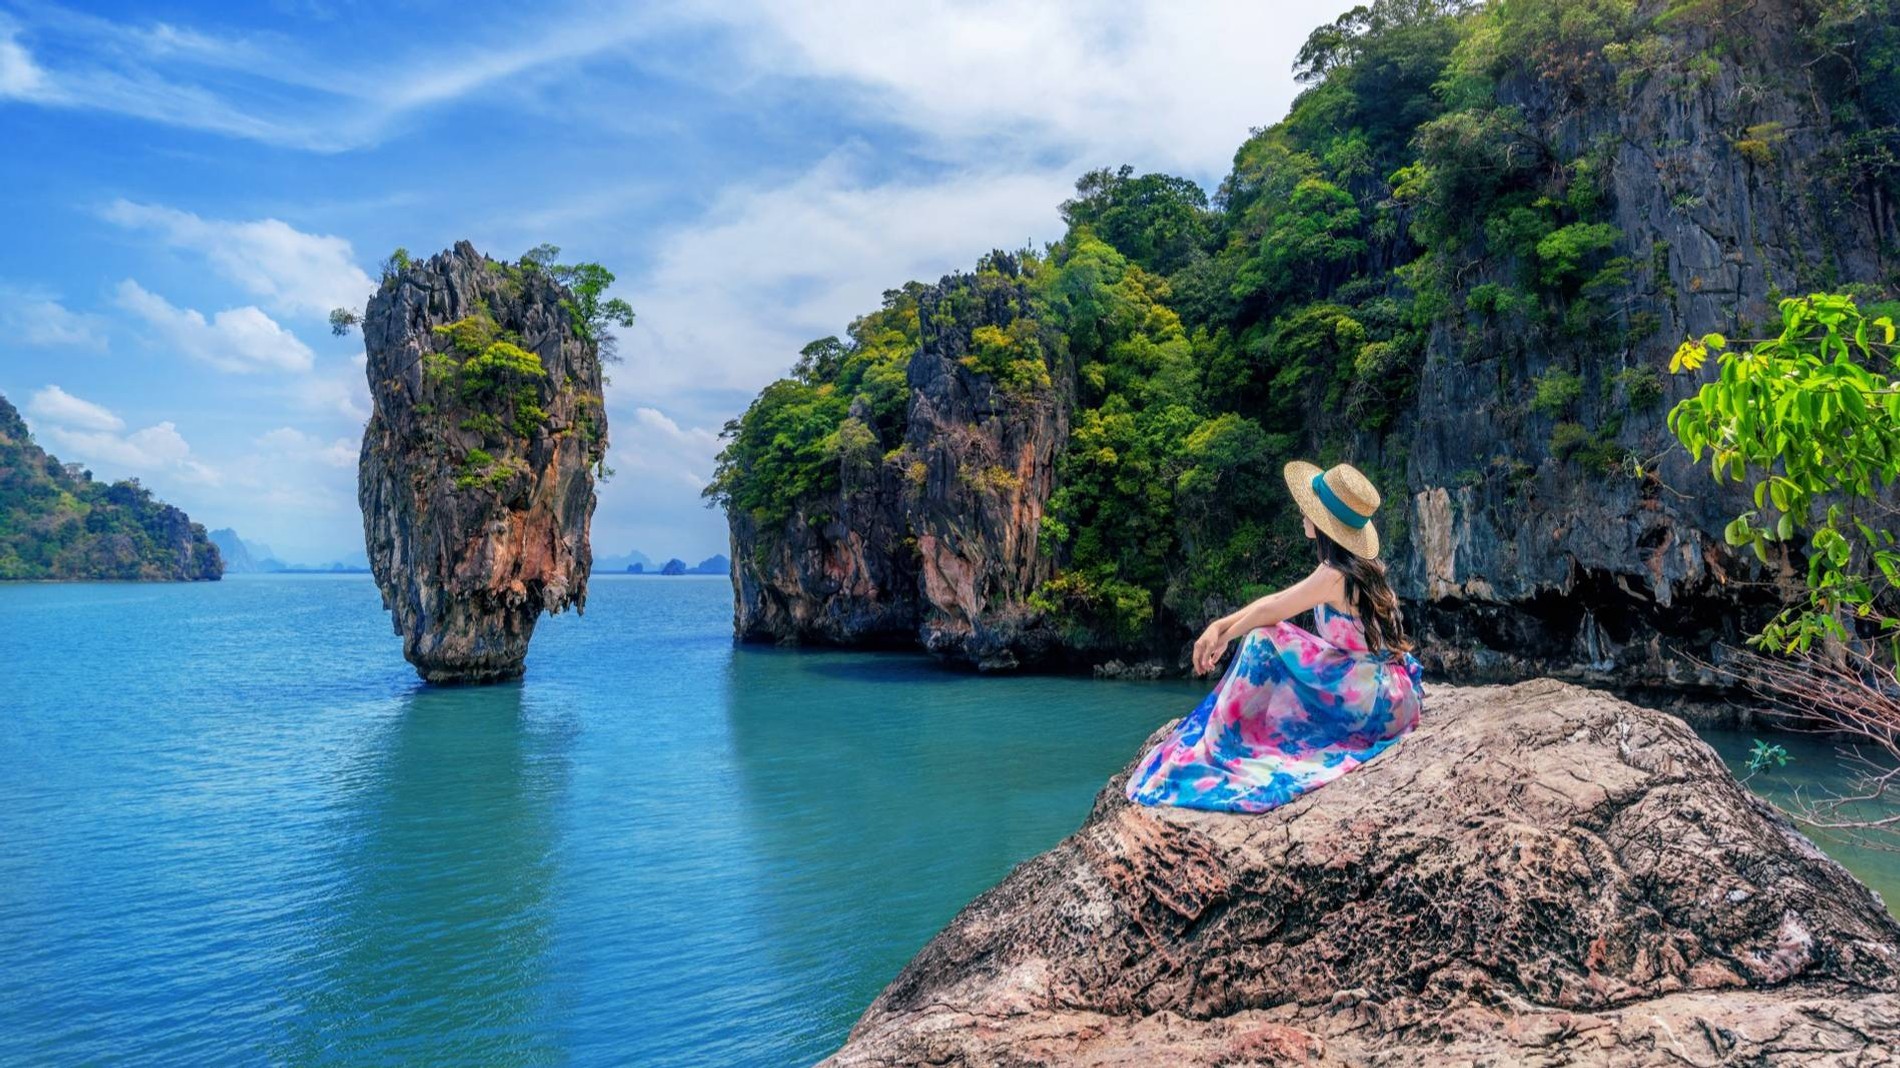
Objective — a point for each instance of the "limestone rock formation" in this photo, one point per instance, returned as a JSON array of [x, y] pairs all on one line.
[[1540, 875], [57, 522], [1518, 564], [936, 544], [477, 470], [1575, 540]]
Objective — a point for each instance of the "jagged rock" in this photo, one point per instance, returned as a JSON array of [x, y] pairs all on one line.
[[477, 475], [1517, 562], [1539, 875], [935, 545], [1514, 557]]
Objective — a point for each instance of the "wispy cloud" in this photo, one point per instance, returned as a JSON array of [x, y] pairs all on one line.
[[295, 444], [730, 300], [292, 271], [34, 317], [1172, 84], [280, 90], [236, 339], [63, 409], [20, 77]]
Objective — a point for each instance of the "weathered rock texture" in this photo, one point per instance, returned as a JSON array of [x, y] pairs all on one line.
[[935, 545], [476, 479], [1540, 875], [1513, 560], [1518, 563]]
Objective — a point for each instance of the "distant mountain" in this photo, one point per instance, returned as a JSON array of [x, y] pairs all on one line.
[[57, 523], [243, 557], [624, 562], [252, 557], [712, 565]]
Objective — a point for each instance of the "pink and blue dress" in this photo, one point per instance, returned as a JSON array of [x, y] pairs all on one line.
[[1295, 711]]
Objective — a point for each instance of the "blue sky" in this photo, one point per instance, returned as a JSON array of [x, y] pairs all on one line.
[[190, 187]]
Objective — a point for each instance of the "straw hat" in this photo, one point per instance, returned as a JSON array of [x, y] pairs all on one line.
[[1339, 501]]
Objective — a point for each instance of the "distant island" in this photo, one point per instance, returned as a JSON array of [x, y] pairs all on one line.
[[56, 522], [242, 557], [717, 564]]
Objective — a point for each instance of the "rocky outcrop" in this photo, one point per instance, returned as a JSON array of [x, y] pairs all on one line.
[[1727, 186], [1572, 539], [936, 543], [477, 470], [1539, 875], [58, 523]]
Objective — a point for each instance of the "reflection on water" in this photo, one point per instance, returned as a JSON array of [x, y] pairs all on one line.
[[434, 945]]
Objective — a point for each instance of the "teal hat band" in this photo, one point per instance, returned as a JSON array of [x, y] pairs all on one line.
[[1336, 506]]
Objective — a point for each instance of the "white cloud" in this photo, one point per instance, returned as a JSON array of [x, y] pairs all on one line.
[[1172, 84], [61, 408], [275, 89], [295, 444], [657, 447], [294, 272], [32, 317], [20, 77], [236, 339], [80, 431], [728, 303], [345, 394]]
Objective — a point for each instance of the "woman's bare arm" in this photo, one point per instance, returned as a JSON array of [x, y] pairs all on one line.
[[1324, 584]]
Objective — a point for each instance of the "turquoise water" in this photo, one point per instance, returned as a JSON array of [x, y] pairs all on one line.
[[235, 829]]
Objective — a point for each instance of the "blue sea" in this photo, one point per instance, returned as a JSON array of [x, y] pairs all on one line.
[[235, 829]]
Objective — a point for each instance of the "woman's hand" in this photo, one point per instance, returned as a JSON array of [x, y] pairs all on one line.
[[1209, 647]]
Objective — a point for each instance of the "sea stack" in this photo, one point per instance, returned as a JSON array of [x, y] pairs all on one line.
[[477, 471]]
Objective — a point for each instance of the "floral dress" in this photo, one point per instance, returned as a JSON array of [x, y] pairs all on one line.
[[1295, 711]]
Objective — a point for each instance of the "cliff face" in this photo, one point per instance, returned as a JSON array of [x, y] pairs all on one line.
[[56, 522], [1540, 875], [477, 470], [1519, 563], [1678, 180], [934, 543]]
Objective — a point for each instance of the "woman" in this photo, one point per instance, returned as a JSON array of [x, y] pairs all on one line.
[[1297, 709]]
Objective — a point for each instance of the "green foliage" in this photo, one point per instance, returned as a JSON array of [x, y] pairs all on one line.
[[483, 470], [1563, 254], [791, 447], [1012, 355], [1159, 221], [1641, 387], [1766, 756], [393, 264], [590, 311], [1810, 419], [1555, 391], [56, 522]]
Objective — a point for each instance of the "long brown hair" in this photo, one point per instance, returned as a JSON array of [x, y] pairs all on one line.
[[1369, 594]]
